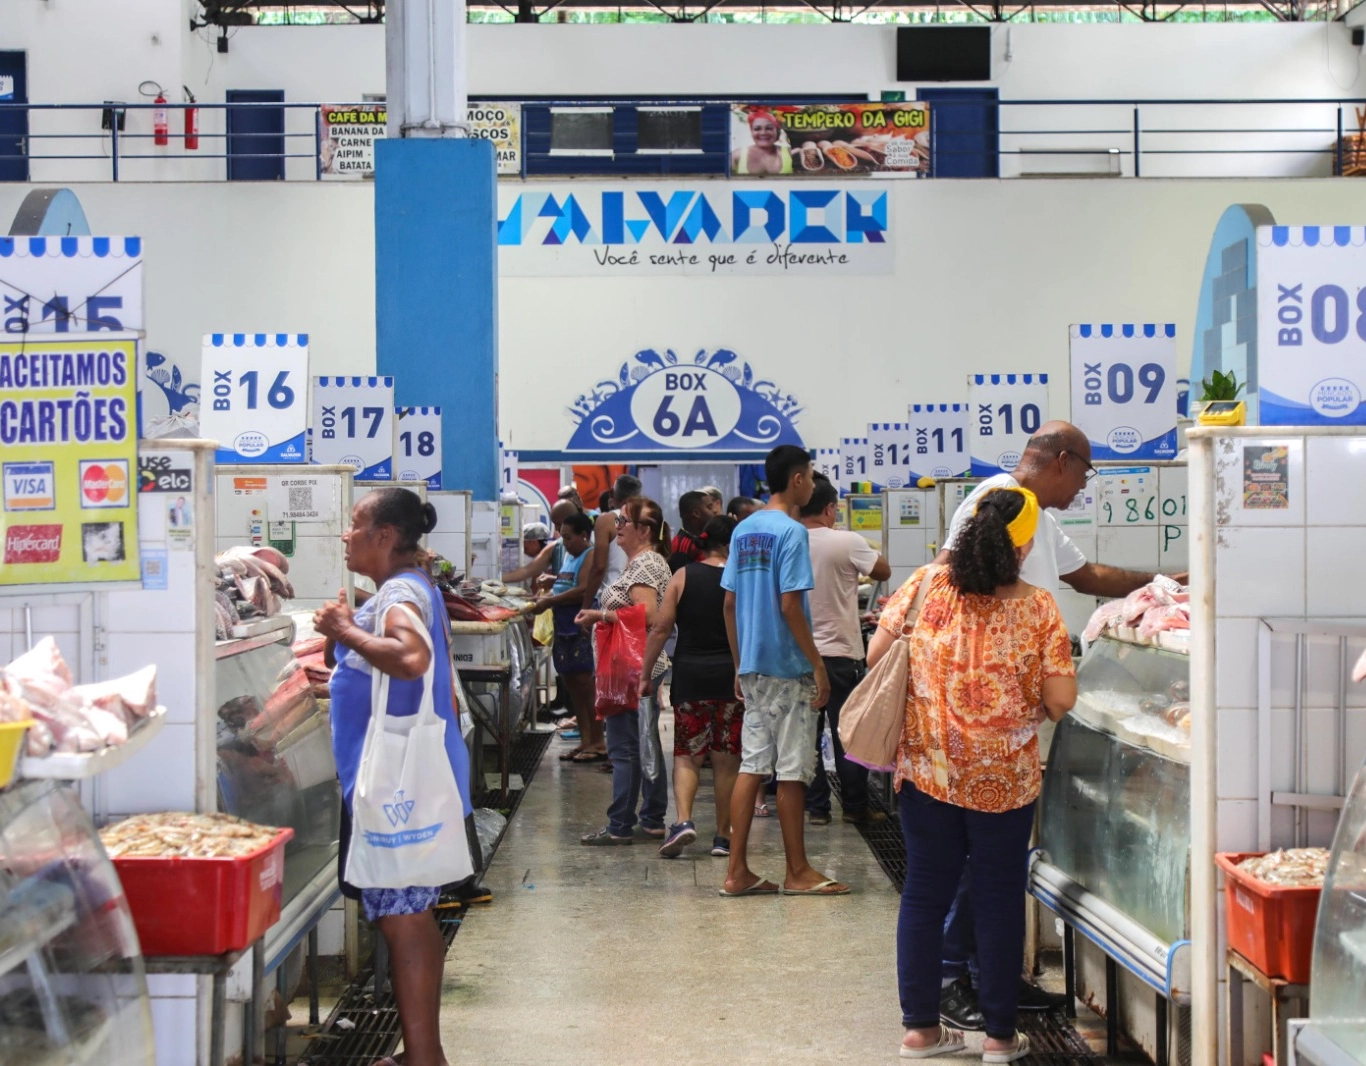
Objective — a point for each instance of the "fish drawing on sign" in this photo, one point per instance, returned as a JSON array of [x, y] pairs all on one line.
[[625, 376], [721, 358], [671, 356], [650, 357], [747, 379], [700, 357], [179, 394]]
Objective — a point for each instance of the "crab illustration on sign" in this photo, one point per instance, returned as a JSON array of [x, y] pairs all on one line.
[[658, 403]]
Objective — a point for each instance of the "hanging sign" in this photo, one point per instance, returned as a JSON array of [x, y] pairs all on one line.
[[827, 462], [1004, 411], [417, 445], [507, 464], [856, 460], [70, 284], [255, 402], [353, 425], [68, 440], [644, 229], [830, 140], [939, 440], [889, 448], [709, 406], [500, 123], [1311, 325], [1124, 389]]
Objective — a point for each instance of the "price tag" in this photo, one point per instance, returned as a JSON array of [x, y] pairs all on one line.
[[510, 475], [939, 440], [855, 459], [254, 399], [1005, 410], [417, 445], [353, 425], [828, 463], [1124, 389], [1127, 496], [1311, 325], [889, 448]]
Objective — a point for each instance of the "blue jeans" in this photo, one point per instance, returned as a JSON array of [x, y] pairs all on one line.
[[960, 939], [623, 748], [941, 840], [844, 674]]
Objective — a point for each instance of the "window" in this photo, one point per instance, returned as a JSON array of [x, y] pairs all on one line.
[[669, 130], [581, 131]]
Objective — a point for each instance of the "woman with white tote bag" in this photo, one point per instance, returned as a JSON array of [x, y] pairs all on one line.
[[402, 762]]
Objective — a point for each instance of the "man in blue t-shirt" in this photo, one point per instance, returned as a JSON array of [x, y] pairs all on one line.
[[779, 674]]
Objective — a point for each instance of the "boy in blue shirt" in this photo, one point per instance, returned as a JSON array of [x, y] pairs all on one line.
[[779, 674]]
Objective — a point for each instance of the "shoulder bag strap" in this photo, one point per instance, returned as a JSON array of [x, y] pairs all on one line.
[[379, 680], [913, 615]]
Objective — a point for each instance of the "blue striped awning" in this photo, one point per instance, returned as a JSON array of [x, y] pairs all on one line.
[[1147, 329], [71, 247], [931, 408], [1312, 236], [355, 383], [257, 340], [1008, 379]]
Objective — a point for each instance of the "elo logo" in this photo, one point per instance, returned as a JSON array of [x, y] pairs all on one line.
[[104, 483], [29, 487], [686, 408]]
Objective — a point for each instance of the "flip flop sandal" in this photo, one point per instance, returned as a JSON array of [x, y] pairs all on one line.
[[761, 887], [819, 890], [950, 1041], [589, 756], [570, 734], [762, 810], [571, 755], [1019, 1051]]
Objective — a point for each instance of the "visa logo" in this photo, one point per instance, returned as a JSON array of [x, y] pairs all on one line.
[[29, 487]]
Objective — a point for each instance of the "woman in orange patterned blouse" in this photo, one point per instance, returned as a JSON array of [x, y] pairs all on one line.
[[990, 658]]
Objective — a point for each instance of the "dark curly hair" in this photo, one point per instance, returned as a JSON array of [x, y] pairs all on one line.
[[983, 556]]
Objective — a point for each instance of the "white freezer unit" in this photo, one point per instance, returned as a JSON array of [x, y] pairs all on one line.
[[451, 537], [910, 531], [485, 540]]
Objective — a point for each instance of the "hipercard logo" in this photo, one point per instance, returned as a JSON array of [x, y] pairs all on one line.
[[33, 544]]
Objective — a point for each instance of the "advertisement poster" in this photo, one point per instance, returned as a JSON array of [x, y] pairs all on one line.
[[255, 402], [830, 140], [500, 123], [346, 139], [417, 445], [1004, 411], [854, 455], [827, 462], [1266, 478], [353, 425], [939, 440], [1311, 325], [70, 452], [651, 229], [1124, 389], [889, 448]]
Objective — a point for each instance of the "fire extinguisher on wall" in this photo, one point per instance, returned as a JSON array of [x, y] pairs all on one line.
[[161, 128], [191, 121]]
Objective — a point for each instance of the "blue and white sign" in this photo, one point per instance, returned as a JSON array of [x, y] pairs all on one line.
[[70, 284], [854, 455], [1124, 389], [939, 440], [417, 445], [510, 479], [255, 396], [1005, 410], [889, 448], [827, 462], [643, 229], [353, 425], [710, 405], [1311, 325]]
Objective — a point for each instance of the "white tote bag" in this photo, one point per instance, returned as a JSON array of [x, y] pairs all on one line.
[[407, 820]]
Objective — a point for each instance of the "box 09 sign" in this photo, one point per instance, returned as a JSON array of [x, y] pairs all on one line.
[[1005, 411], [353, 425], [254, 396], [1124, 389], [69, 447]]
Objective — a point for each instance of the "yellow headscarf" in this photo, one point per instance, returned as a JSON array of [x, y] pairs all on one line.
[[1023, 526]]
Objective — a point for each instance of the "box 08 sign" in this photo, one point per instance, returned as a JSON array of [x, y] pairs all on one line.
[[939, 440], [1124, 389], [254, 399], [69, 447], [1005, 410], [1311, 325], [417, 445], [353, 425]]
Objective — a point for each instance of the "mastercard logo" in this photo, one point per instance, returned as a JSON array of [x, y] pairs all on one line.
[[104, 484]]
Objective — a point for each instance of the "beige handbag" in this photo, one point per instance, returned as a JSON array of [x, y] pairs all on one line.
[[873, 718]]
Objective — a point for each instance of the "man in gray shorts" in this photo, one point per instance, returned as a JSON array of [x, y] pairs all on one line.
[[779, 674]]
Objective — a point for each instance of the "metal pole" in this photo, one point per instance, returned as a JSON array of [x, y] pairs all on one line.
[[1138, 170], [1337, 145], [114, 141]]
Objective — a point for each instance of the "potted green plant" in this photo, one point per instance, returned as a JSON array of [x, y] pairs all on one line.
[[1218, 386]]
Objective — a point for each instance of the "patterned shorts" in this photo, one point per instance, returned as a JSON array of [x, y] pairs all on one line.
[[779, 734], [701, 726], [573, 654], [388, 902]]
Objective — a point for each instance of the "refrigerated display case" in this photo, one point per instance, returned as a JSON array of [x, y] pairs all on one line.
[[72, 984]]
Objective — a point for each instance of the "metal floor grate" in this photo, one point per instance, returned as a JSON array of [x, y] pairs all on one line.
[[374, 1016]]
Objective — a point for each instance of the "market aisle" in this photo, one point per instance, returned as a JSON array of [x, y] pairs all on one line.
[[599, 956]]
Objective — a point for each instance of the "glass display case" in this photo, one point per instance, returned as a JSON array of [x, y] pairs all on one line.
[[275, 764], [72, 985]]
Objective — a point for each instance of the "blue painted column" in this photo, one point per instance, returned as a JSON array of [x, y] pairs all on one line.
[[436, 294]]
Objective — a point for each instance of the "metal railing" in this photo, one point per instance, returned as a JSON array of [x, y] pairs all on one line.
[[1277, 137]]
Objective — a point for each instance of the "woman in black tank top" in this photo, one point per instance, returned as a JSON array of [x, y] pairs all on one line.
[[707, 716]]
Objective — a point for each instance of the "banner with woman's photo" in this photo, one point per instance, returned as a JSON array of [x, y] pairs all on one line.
[[830, 140]]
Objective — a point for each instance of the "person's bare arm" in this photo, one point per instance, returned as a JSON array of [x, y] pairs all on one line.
[[604, 529], [569, 596], [1110, 582], [879, 644], [943, 558], [1059, 696], [400, 652], [794, 614], [881, 570], [665, 618], [533, 569], [733, 637]]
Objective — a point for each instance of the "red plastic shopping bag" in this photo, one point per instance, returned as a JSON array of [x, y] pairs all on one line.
[[621, 656]]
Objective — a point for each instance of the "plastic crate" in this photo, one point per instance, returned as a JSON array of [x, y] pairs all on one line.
[[205, 906], [1270, 926]]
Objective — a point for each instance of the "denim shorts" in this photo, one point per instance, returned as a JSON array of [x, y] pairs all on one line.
[[779, 733], [388, 902]]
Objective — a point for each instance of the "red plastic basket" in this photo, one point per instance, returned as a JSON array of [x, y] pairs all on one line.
[[1270, 926], [205, 906]]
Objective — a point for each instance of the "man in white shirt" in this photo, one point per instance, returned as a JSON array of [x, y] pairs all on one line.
[[838, 558]]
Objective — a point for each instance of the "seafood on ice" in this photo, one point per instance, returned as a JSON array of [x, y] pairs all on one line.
[[184, 836], [252, 583], [1289, 867], [1166, 601]]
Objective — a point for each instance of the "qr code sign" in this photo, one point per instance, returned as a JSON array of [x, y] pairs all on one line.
[[299, 499]]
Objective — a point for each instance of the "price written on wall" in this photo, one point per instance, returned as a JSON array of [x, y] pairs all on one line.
[[353, 425], [889, 449], [417, 445], [1005, 410], [1311, 325], [254, 396], [939, 439], [1124, 389], [1143, 496]]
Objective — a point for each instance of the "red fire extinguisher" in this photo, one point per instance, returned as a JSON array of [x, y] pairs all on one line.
[[191, 122], [161, 128]]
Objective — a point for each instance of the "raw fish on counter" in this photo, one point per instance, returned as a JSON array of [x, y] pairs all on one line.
[[186, 836], [252, 583], [1162, 594]]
